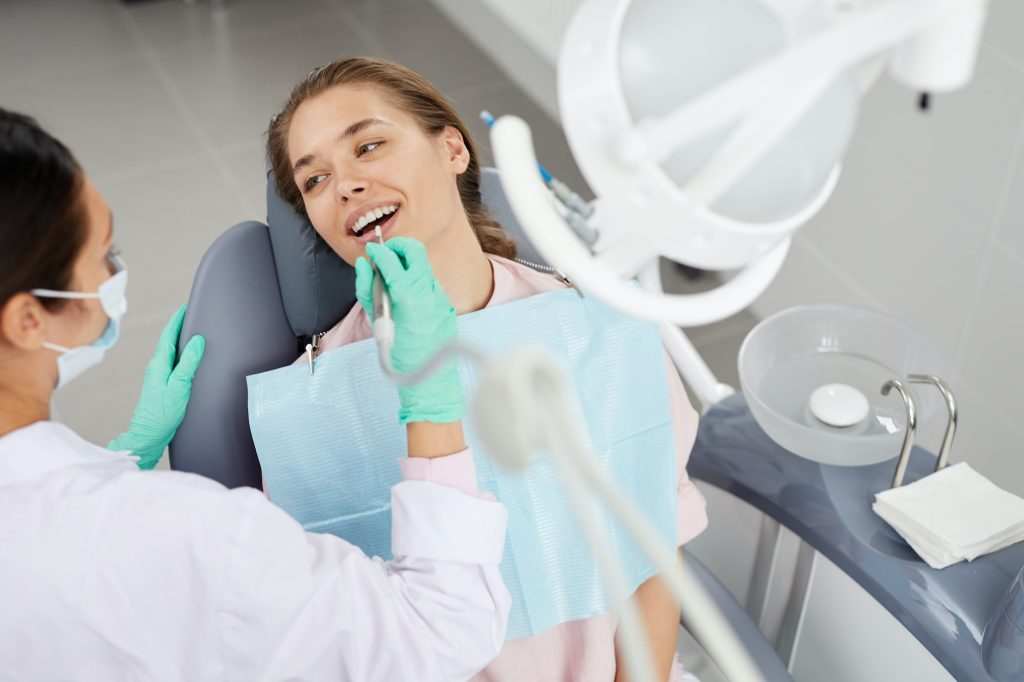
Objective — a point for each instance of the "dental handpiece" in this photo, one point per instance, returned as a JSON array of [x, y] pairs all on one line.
[[381, 300], [383, 323]]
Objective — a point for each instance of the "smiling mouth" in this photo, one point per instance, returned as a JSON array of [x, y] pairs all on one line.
[[367, 225]]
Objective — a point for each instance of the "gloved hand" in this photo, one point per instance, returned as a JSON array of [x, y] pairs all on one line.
[[165, 393], [424, 323]]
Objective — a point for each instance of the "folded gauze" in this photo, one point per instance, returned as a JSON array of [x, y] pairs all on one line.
[[953, 514]]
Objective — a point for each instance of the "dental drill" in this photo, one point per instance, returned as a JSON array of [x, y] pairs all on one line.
[[383, 322]]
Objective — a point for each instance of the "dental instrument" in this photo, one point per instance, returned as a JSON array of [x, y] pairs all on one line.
[[383, 324], [384, 334], [575, 210]]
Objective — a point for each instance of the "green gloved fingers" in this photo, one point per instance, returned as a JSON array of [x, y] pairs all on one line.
[[364, 285], [424, 324], [166, 389]]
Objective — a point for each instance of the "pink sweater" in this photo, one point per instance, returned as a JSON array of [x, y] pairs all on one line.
[[584, 649]]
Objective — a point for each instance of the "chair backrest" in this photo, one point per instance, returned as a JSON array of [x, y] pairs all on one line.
[[260, 292]]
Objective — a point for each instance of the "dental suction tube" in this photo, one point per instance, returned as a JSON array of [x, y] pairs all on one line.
[[513, 151]]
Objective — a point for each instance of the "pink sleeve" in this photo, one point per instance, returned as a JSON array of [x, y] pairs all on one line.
[[691, 508], [457, 471]]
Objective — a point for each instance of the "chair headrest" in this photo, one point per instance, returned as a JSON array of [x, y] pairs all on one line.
[[317, 286]]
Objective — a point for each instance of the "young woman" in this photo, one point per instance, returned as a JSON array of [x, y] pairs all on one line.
[[365, 142], [110, 572]]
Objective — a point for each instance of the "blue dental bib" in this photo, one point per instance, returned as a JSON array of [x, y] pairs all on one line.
[[328, 445]]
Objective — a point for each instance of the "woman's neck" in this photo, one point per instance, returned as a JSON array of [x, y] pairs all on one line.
[[21, 402], [462, 268]]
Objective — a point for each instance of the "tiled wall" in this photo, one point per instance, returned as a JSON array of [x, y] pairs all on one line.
[[927, 224]]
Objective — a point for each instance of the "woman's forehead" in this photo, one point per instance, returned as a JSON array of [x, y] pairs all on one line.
[[348, 98], [326, 116]]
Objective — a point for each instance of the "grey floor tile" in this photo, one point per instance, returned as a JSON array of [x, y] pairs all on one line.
[[112, 112], [170, 22], [247, 166], [164, 221], [40, 38], [421, 38], [235, 87], [678, 280], [721, 354], [379, 8]]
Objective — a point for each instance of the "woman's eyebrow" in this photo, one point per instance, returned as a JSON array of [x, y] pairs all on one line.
[[354, 129]]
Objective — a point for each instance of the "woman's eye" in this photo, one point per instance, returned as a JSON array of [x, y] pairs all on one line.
[[314, 181], [367, 148]]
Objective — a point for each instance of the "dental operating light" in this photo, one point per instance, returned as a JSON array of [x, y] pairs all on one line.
[[711, 130]]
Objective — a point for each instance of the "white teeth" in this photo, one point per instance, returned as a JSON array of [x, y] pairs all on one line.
[[371, 215]]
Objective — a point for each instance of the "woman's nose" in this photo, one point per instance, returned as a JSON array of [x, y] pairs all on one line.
[[350, 188]]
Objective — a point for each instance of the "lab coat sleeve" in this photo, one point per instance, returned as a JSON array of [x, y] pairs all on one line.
[[301, 605]]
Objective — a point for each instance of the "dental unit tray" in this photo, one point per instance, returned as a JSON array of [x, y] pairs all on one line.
[[963, 614]]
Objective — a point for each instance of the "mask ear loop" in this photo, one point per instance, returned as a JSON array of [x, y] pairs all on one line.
[[119, 268], [110, 295], [53, 293]]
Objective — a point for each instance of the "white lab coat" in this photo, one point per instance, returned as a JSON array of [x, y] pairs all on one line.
[[111, 573]]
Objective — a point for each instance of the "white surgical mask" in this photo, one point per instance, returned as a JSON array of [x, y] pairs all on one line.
[[73, 361]]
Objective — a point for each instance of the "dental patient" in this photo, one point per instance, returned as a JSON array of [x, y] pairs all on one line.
[[363, 144]]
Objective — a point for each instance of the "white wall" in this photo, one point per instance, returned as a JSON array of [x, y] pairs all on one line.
[[927, 222]]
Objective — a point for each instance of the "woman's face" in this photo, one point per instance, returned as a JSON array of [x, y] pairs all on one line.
[[81, 322], [360, 162]]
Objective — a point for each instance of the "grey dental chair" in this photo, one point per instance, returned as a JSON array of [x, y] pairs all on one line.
[[261, 293]]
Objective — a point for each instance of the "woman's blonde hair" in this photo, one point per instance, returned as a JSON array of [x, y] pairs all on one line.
[[413, 94]]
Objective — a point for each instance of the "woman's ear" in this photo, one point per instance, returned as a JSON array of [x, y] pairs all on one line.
[[22, 323], [456, 149]]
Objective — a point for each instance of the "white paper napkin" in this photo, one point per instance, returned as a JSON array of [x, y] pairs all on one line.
[[953, 514]]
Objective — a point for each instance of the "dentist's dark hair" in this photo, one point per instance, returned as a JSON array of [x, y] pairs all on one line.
[[42, 223], [413, 94]]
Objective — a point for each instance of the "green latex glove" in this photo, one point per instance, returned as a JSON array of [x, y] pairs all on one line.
[[165, 392], [424, 323]]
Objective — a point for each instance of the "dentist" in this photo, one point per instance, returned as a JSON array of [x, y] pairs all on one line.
[[109, 572]]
